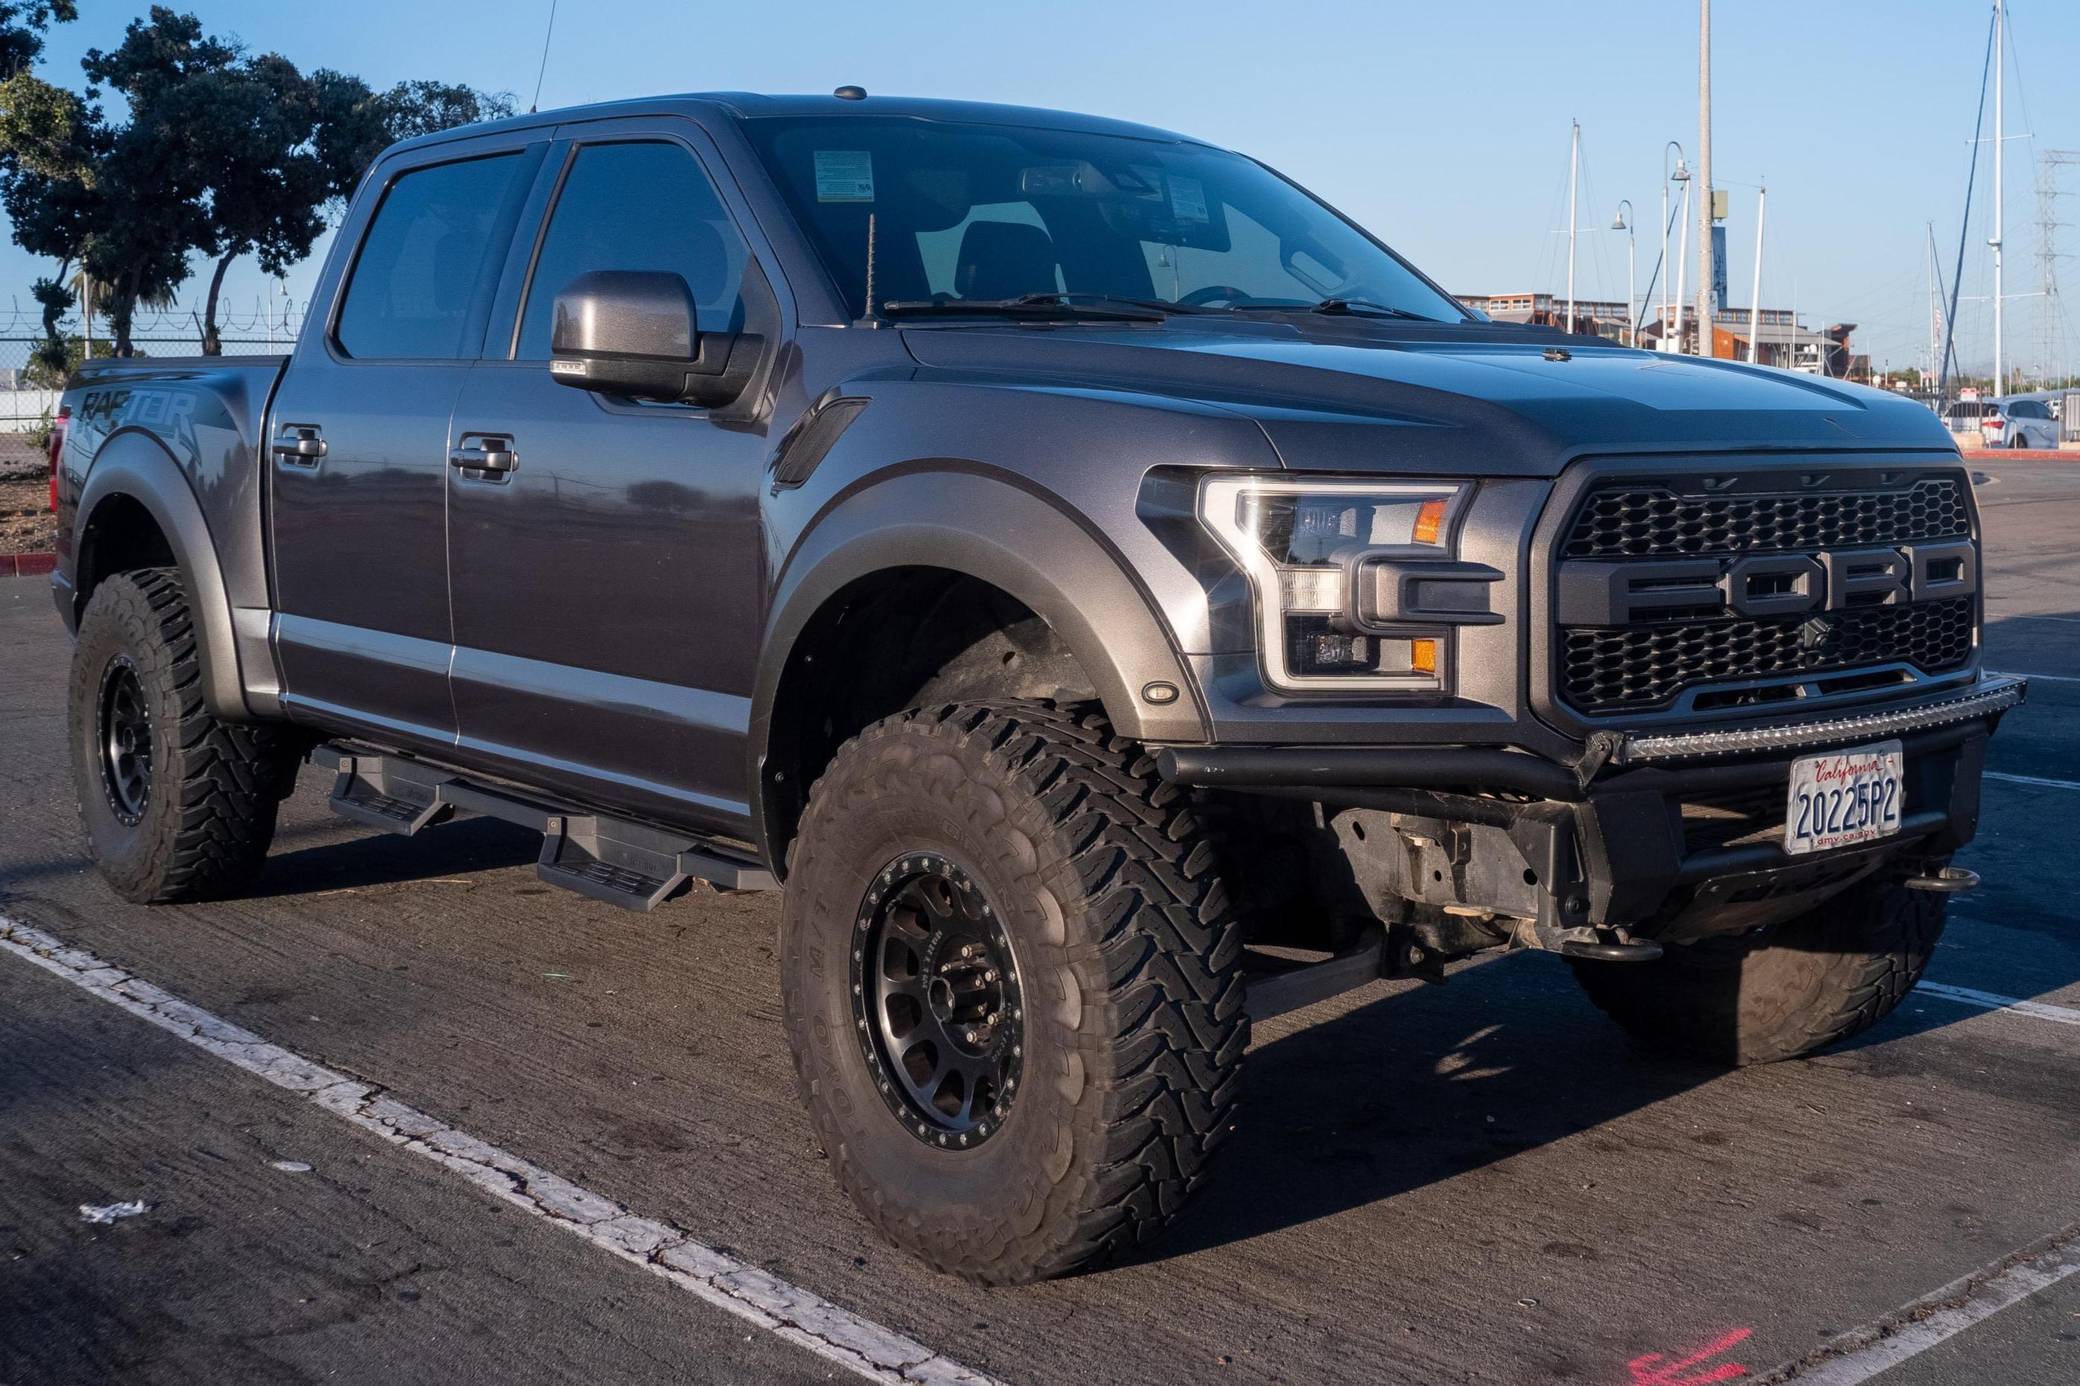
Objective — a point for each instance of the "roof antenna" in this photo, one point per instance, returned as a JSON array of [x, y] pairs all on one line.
[[550, 32], [870, 264]]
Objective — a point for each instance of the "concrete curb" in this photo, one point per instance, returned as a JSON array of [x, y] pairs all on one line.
[[26, 564]]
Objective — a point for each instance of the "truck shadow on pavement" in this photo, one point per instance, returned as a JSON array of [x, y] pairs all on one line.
[[1431, 1084]]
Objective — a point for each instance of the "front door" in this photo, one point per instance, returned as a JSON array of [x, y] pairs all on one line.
[[606, 584], [359, 450]]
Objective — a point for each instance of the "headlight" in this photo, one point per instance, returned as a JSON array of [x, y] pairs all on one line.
[[1322, 555]]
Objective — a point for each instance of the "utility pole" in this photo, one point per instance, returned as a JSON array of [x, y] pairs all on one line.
[[2049, 164], [1574, 168], [1755, 303], [2000, 65], [1704, 177]]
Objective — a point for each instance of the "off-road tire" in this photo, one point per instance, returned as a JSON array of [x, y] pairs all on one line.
[[214, 787], [1778, 992], [1128, 951]]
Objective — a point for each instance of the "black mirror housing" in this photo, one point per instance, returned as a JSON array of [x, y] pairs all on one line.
[[637, 333]]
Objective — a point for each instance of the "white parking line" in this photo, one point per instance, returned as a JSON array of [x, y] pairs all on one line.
[[2040, 782], [787, 1311], [1912, 1329], [2039, 616], [2039, 678], [1992, 1001]]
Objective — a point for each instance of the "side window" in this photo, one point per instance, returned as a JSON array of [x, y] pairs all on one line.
[[425, 254], [641, 206]]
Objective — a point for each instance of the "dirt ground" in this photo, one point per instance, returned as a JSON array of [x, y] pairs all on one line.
[[25, 516]]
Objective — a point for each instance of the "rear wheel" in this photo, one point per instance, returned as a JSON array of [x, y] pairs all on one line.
[[1778, 992], [176, 804], [1011, 988]]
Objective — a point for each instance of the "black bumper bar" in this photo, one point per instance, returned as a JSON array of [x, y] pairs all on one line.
[[1617, 849]]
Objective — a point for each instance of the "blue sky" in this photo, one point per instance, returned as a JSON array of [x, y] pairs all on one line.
[[1444, 128]]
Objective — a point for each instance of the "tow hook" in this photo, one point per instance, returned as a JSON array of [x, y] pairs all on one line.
[[1947, 880], [1610, 945]]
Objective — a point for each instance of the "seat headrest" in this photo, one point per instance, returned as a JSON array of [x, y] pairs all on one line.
[[1003, 259]]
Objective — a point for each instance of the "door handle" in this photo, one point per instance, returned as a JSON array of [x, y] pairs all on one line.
[[301, 443], [486, 453]]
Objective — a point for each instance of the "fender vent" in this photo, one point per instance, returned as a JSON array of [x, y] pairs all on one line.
[[812, 441]]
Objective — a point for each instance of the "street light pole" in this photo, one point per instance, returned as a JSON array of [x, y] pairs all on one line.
[[1574, 164], [1624, 223]]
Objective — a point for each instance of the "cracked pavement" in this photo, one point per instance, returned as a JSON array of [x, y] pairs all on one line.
[[1475, 1182]]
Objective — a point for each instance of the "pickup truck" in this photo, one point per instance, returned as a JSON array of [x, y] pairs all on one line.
[[1110, 592]]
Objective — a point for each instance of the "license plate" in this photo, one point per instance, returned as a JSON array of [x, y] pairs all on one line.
[[1843, 798]]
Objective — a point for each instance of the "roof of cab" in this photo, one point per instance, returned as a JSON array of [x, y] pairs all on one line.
[[737, 105]]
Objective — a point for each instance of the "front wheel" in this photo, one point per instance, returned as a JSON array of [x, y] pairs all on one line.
[[177, 804], [1010, 977], [1780, 991]]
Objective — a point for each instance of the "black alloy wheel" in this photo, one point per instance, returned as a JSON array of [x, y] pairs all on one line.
[[936, 1003], [124, 737]]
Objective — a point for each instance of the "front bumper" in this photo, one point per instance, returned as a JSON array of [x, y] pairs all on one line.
[[1665, 834]]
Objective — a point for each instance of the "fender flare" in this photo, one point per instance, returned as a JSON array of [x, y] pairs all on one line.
[[134, 464], [990, 527]]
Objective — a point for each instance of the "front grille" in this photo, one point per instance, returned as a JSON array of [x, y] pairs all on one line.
[[1634, 668], [1636, 521]]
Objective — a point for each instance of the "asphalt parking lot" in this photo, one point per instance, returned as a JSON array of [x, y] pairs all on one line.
[[1473, 1182]]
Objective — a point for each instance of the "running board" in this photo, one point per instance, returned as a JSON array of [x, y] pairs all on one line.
[[615, 860]]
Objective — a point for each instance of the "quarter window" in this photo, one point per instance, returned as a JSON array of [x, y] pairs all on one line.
[[638, 206], [426, 254]]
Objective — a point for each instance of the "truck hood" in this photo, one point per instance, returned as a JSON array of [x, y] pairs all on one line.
[[1473, 400]]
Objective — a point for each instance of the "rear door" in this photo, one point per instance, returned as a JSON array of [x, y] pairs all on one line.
[[359, 439], [607, 586]]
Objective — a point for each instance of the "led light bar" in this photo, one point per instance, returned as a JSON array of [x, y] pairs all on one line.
[[1996, 694]]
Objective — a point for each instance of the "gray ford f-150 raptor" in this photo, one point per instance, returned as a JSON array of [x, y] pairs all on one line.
[[1113, 594]]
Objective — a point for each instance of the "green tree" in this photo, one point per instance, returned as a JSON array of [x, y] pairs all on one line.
[[222, 154]]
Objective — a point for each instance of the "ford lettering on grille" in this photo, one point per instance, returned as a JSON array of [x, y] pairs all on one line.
[[1596, 593], [1734, 581]]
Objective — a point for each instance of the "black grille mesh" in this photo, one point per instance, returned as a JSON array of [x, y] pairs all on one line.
[[1635, 521], [1638, 667]]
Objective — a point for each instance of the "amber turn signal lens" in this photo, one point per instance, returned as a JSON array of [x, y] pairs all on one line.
[[1422, 656], [1430, 522]]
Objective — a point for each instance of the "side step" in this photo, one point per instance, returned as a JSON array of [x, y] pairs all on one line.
[[621, 862]]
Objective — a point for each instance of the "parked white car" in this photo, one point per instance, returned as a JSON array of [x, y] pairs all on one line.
[[2019, 423]]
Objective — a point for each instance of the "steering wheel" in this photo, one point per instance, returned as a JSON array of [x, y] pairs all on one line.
[[1199, 298]]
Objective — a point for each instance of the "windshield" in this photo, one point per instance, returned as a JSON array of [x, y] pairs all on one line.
[[989, 213]]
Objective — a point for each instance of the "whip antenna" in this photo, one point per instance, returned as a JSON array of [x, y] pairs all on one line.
[[547, 34]]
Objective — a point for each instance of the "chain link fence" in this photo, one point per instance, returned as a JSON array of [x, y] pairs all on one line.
[[26, 408]]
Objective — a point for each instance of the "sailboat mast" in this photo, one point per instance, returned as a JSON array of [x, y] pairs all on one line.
[[2000, 17], [1574, 171], [1755, 308]]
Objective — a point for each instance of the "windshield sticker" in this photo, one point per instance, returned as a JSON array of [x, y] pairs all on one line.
[[844, 175], [1187, 198]]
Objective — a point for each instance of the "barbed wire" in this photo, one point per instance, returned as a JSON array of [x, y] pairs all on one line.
[[146, 321]]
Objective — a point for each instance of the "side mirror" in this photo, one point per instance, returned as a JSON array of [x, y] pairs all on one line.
[[636, 333]]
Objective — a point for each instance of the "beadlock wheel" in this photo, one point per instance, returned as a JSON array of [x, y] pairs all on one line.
[[936, 1003], [123, 731]]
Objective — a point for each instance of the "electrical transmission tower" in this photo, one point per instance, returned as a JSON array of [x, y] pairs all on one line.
[[2051, 164]]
